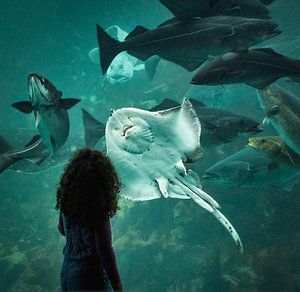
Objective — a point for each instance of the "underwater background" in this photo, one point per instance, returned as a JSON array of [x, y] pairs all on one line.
[[161, 245]]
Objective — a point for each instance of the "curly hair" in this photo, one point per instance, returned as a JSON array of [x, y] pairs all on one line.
[[88, 188]]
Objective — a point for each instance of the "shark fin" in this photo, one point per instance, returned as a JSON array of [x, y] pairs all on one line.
[[93, 129], [33, 140], [165, 104], [151, 66], [67, 103], [261, 84], [23, 106], [137, 31], [4, 146], [108, 48]]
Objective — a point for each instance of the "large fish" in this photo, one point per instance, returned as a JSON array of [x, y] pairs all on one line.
[[50, 111], [123, 66], [184, 42], [218, 126], [282, 109], [256, 67], [252, 168], [205, 8]]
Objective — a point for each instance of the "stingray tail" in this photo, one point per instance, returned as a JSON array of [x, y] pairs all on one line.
[[108, 48], [208, 203]]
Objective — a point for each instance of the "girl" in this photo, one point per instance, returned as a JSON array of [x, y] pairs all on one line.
[[87, 199]]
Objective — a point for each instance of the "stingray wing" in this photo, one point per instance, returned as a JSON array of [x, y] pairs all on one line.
[[181, 128]]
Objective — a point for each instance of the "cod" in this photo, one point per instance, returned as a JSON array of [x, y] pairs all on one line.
[[282, 110]]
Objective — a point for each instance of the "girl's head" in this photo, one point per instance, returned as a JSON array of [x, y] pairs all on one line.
[[88, 188]]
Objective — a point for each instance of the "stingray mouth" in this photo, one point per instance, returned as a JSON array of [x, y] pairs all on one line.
[[125, 129]]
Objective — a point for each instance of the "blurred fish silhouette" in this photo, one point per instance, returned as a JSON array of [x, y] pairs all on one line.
[[148, 150], [50, 111], [253, 168], [123, 66]]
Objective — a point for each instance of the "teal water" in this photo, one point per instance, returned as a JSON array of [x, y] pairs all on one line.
[[161, 245]]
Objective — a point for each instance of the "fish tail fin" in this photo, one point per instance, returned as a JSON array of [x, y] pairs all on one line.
[[93, 129], [108, 48]]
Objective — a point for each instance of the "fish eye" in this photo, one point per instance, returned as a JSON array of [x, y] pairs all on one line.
[[263, 140], [242, 122]]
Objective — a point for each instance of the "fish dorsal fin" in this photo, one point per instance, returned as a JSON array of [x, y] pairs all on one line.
[[165, 105], [33, 140], [137, 31]]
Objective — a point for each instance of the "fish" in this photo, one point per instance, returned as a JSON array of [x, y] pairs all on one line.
[[50, 111], [282, 110], [35, 157], [123, 66], [34, 151], [206, 8], [275, 147], [218, 126], [184, 42], [252, 168], [148, 151], [255, 67]]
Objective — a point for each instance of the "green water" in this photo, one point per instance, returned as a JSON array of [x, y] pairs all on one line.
[[161, 245]]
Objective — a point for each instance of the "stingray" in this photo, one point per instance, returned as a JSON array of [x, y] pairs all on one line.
[[148, 150]]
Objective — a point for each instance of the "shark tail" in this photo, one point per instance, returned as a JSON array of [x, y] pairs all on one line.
[[108, 48], [93, 129]]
